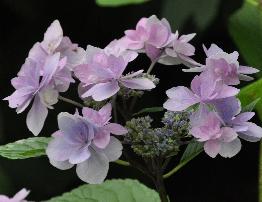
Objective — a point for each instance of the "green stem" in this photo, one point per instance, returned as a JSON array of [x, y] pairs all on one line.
[[179, 166], [70, 101], [122, 163]]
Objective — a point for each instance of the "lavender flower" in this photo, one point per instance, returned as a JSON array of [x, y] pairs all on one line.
[[19, 197], [218, 139], [102, 74], [86, 142], [41, 86], [205, 88]]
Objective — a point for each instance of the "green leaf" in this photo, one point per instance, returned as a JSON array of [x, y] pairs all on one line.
[[110, 191], [149, 110], [25, 148], [250, 107], [250, 93], [245, 27], [192, 150], [115, 3], [178, 12]]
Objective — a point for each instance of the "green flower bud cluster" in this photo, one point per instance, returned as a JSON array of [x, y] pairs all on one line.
[[165, 141]]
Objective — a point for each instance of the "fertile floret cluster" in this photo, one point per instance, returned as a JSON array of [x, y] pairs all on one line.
[[165, 141]]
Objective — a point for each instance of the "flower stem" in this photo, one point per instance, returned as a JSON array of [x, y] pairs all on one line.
[[151, 66], [159, 180], [70, 101]]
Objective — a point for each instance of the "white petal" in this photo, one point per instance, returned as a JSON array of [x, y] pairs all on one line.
[[95, 169], [62, 165], [230, 149]]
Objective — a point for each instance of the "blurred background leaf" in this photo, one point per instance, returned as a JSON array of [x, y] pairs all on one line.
[[245, 27], [179, 12], [115, 3]]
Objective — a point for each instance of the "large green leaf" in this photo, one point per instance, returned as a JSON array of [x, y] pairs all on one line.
[[245, 26], [178, 12], [250, 93], [110, 191], [25, 148], [114, 3]]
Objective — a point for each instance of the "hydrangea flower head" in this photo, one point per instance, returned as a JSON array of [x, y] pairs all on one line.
[[40, 86], [205, 88], [86, 142], [19, 197], [103, 74]]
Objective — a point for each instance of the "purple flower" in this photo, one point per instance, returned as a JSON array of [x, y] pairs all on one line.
[[206, 126], [150, 36], [19, 197], [103, 74], [229, 111], [179, 51], [54, 42], [40, 85], [205, 88], [80, 141], [225, 66]]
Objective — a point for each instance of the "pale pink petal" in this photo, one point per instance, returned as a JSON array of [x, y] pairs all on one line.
[[36, 116], [212, 148], [105, 112], [138, 83], [102, 91], [21, 195], [115, 129], [247, 70], [228, 134], [94, 170], [181, 99], [62, 165], [253, 134], [53, 37], [79, 155], [230, 149], [101, 139]]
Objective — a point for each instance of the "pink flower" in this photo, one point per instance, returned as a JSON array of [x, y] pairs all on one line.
[[54, 42], [103, 73], [225, 66], [205, 88], [179, 51], [207, 127], [86, 142], [40, 85], [150, 36], [19, 197]]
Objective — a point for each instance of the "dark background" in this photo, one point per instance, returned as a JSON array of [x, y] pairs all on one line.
[[22, 23]]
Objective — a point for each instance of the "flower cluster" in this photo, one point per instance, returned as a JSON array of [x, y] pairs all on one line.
[[86, 140], [19, 197], [165, 141], [218, 121]]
